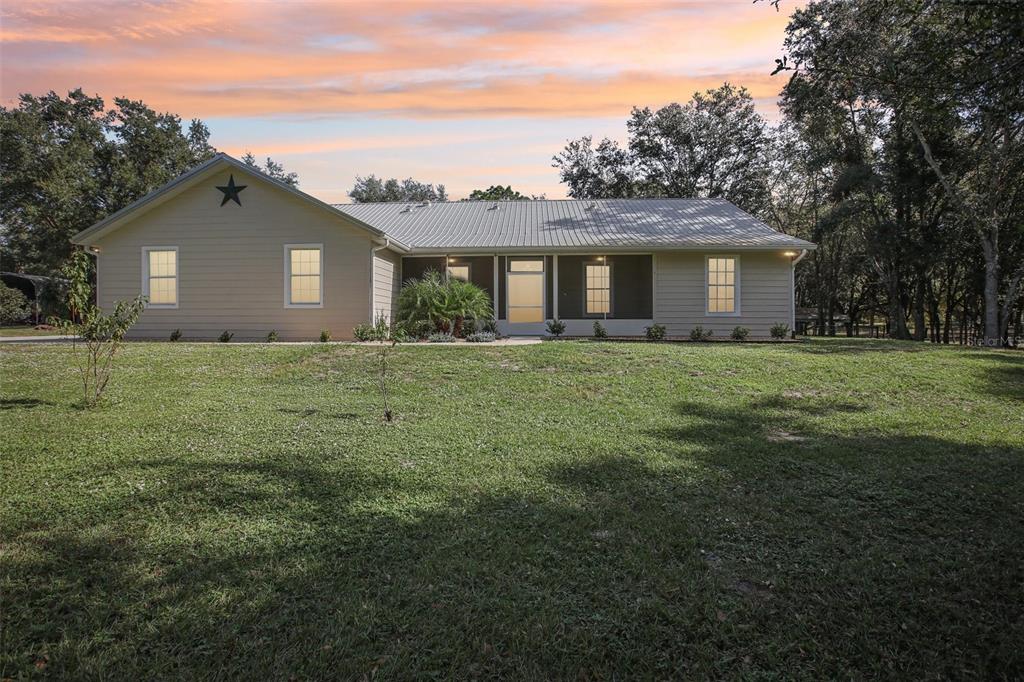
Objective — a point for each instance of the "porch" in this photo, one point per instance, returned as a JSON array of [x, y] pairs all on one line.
[[527, 290]]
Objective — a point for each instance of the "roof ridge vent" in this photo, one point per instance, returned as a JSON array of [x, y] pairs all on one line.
[[493, 207]]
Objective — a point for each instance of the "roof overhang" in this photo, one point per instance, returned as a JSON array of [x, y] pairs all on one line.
[[203, 171], [559, 250]]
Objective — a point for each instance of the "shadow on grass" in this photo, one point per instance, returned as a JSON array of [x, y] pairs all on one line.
[[316, 412], [733, 552], [22, 403], [1004, 377]]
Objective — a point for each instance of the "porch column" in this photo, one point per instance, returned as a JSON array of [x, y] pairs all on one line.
[[494, 292], [554, 279]]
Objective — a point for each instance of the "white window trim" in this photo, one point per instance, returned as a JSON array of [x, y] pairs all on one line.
[[145, 277], [288, 276], [736, 282]]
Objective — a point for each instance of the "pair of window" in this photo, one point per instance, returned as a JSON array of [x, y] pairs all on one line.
[[722, 287], [303, 281]]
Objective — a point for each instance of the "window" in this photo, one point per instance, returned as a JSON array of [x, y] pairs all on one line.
[[160, 276], [722, 285], [525, 290], [458, 272], [599, 288], [525, 265], [304, 284]]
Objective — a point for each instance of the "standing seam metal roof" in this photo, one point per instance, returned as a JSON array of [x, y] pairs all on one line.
[[571, 223]]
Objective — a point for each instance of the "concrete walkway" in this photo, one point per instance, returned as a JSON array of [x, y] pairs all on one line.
[[34, 339]]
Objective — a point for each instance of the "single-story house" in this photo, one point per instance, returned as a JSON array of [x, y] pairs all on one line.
[[226, 248]]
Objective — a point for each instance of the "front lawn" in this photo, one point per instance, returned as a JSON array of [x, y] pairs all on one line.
[[572, 510]]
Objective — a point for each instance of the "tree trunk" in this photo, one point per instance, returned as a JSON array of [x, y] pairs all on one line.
[[897, 318], [1011, 299], [990, 248]]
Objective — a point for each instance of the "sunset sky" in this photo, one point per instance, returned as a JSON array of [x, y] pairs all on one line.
[[468, 94]]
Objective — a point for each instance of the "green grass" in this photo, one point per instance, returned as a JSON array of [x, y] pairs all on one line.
[[567, 510]]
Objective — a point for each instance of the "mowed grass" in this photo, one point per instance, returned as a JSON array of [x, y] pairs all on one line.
[[569, 510]]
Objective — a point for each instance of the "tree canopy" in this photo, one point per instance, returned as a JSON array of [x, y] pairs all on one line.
[[370, 188], [67, 162], [913, 114], [715, 145], [497, 193], [273, 169]]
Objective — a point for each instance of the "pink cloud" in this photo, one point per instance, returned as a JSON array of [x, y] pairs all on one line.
[[420, 59]]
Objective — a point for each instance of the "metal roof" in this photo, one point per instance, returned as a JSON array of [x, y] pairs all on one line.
[[571, 224]]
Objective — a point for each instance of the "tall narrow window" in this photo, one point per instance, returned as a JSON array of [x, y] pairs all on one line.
[[459, 272], [599, 288], [722, 285], [160, 276], [304, 275]]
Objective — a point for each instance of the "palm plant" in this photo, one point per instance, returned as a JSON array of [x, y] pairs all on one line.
[[446, 303]]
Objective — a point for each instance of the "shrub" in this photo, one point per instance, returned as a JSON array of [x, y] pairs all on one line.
[[176, 335], [480, 337], [699, 333], [445, 302], [420, 329], [656, 332], [100, 334], [225, 336], [599, 331], [490, 326], [362, 332], [779, 331], [739, 333], [325, 335], [441, 337], [556, 328], [469, 326], [13, 305], [272, 336]]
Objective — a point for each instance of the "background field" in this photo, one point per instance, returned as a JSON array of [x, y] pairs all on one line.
[[573, 509]]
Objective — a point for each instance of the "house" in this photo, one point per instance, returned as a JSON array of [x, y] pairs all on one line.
[[226, 248]]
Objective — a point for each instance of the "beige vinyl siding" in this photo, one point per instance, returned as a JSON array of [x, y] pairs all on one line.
[[765, 295], [231, 264], [387, 278]]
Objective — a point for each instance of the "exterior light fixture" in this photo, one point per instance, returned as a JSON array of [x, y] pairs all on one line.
[[600, 258], [789, 254]]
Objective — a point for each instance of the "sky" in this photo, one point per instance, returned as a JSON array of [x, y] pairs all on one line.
[[467, 94]]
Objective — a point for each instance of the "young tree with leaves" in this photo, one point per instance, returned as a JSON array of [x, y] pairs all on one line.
[[96, 337]]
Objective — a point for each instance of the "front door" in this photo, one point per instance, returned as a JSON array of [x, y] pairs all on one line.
[[526, 291]]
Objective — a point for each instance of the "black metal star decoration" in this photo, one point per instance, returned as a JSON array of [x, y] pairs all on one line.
[[231, 191]]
